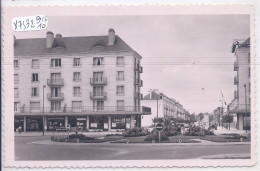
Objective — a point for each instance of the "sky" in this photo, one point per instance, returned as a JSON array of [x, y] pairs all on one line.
[[187, 57]]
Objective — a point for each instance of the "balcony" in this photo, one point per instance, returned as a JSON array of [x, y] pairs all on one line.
[[235, 94], [236, 80], [55, 97], [139, 68], [83, 110], [98, 96], [139, 82], [98, 81], [55, 82], [239, 108], [139, 96], [235, 66]]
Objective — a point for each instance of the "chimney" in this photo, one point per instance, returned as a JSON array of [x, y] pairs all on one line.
[[58, 35], [49, 39], [111, 37], [150, 94]]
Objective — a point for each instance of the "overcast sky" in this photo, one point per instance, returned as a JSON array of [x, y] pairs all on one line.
[[187, 57]]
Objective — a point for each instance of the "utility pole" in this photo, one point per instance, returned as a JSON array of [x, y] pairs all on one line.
[[43, 121]]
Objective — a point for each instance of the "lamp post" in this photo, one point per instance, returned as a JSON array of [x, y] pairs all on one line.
[[245, 108], [43, 121]]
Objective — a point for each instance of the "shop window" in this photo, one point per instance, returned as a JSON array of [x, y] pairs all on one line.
[[76, 62], [55, 63], [35, 77], [55, 123], [34, 124], [118, 122], [98, 122], [35, 63], [18, 122], [120, 61]]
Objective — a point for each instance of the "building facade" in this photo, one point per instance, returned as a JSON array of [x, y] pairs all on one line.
[[167, 107], [240, 105], [86, 83]]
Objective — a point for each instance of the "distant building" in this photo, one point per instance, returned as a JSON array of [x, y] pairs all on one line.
[[240, 105], [166, 107], [90, 83]]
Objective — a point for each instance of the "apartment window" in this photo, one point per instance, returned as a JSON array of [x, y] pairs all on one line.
[[35, 106], [97, 61], [249, 57], [35, 91], [98, 91], [16, 106], [249, 72], [55, 106], [76, 105], [35, 77], [76, 62], [16, 78], [35, 63], [120, 104], [120, 60], [16, 63], [120, 90], [76, 76], [120, 75], [55, 63], [99, 105], [76, 91], [16, 92]]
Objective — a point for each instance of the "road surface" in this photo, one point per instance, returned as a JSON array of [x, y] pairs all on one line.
[[40, 148]]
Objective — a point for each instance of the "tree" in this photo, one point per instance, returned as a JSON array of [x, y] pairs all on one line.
[[192, 118], [201, 116], [160, 120], [228, 119]]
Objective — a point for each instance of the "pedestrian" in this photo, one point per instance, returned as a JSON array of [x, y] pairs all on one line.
[[20, 129]]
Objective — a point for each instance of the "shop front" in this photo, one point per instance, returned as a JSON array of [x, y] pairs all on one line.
[[77, 123], [34, 123], [54, 123], [120, 122], [98, 123], [18, 122]]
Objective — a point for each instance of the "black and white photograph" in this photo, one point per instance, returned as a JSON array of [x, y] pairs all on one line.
[[132, 87]]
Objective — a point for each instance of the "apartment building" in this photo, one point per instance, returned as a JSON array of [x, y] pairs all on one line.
[[167, 107], [240, 105], [86, 83]]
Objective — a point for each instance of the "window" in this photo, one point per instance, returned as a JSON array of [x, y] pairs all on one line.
[[16, 64], [97, 61], [16, 78], [16, 106], [249, 57], [120, 90], [55, 106], [35, 77], [76, 62], [56, 92], [35, 63], [35, 106], [76, 106], [120, 75], [76, 76], [35, 92], [16, 92], [76, 91], [55, 63], [249, 72], [120, 104], [120, 60], [99, 105], [98, 91]]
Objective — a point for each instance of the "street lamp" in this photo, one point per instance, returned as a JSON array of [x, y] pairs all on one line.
[[245, 108], [43, 121]]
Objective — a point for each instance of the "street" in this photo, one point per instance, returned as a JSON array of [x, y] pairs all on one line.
[[41, 148]]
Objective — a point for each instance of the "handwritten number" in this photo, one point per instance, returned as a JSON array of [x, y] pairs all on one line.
[[15, 25], [27, 23], [38, 19], [32, 26]]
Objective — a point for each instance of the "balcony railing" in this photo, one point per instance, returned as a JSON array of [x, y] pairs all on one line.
[[235, 94], [139, 96], [98, 81], [139, 82], [235, 66], [239, 108], [83, 110], [55, 97], [139, 68], [55, 82], [98, 96], [236, 80]]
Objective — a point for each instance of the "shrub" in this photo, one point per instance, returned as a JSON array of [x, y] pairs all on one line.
[[135, 132], [155, 137], [80, 136]]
